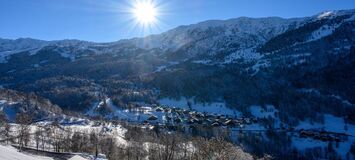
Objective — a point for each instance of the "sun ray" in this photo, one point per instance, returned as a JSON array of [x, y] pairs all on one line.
[[142, 17], [145, 11]]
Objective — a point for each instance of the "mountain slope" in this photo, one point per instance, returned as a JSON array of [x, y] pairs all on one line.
[[302, 66], [13, 102]]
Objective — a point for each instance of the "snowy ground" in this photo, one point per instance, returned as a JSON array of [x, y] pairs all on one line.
[[244, 54], [304, 143], [131, 115], [214, 108], [268, 111], [116, 131], [145, 111], [11, 153], [331, 124], [164, 67]]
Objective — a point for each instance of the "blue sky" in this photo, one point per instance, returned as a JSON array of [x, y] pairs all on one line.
[[108, 20]]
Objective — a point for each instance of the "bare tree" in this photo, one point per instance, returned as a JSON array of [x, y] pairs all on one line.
[[108, 147], [7, 132], [218, 148], [23, 120], [3, 119], [37, 137], [3, 123], [166, 147], [47, 138], [67, 141], [94, 139]]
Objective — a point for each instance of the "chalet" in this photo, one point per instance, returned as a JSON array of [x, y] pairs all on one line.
[[167, 110], [247, 120], [152, 118], [186, 111], [145, 122], [229, 122], [178, 120], [215, 124], [159, 109]]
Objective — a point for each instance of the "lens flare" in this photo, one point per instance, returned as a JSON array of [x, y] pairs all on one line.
[[145, 12]]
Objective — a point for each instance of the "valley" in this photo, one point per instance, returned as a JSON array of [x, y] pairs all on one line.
[[243, 88]]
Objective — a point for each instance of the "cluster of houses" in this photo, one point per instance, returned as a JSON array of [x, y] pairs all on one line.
[[322, 135], [177, 116], [190, 117]]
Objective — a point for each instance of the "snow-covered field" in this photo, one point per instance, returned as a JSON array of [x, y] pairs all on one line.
[[307, 143], [117, 131], [109, 129], [132, 115], [214, 107], [11, 153], [268, 111], [145, 111], [331, 124]]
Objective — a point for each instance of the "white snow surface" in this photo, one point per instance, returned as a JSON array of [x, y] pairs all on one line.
[[239, 29], [344, 101], [263, 63], [245, 54], [308, 143], [10, 47], [11, 153], [331, 123], [325, 14], [4, 55], [214, 107], [203, 61], [268, 111], [323, 31], [334, 13], [209, 37], [164, 67], [76, 157]]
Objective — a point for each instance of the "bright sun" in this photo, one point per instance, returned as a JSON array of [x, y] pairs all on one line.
[[145, 12]]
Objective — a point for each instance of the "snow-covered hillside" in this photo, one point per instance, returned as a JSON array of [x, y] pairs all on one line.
[[211, 32], [9, 47], [233, 39], [13, 102], [11, 153]]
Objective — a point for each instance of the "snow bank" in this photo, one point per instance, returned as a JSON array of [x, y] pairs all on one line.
[[77, 158]]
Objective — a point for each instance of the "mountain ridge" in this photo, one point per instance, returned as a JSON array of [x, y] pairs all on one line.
[[253, 62]]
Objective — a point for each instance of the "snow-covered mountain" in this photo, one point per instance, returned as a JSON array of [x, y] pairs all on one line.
[[9, 47], [238, 54], [215, 34], [292, 73], [209, 38]]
